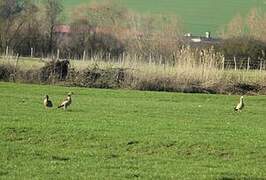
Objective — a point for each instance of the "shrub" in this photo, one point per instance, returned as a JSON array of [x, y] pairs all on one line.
[[242, 47], [29, 76], [101, 78], [6, 72], [54, 70]]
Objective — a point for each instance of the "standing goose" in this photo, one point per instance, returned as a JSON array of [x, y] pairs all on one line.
[[46, 102], [240, 105], [66, 102]]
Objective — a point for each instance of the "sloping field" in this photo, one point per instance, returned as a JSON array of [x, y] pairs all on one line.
[[198, 15], [114, 134]]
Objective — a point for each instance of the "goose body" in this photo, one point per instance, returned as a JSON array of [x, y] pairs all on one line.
[[240, 105], [47, 103], [66, 102]]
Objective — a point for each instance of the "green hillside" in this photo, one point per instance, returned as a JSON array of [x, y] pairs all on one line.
[[198, 15]]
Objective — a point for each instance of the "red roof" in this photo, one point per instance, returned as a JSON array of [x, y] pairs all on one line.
[[62, 29], [122, 32]]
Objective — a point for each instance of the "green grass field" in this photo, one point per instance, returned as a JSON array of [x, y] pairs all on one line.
[[198, 16], [118, 134]]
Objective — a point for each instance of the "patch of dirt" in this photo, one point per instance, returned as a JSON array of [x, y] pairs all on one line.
[[132, 142], [59, 158]]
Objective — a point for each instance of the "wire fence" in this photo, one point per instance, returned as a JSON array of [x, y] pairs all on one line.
[[225, 63]]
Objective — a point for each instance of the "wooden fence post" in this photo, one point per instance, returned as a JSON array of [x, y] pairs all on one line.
[[109, 56], [16, 64], [260, 64], [235, 63], [31, 52], [223, 63], [161, 61], [84, 55], [7, 51], [58, 54], [248, 66], [123, 57]]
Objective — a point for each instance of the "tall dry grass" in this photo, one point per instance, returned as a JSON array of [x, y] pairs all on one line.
[[189, 71]]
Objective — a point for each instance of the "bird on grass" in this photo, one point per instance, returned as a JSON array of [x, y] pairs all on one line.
[[46, 102], [240, 105], [66, 102]]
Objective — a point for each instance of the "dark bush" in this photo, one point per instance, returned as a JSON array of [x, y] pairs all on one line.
[[29, 76], [155, 84], [6, 71], [242, 47], [243, 88], [54, 70], [171, 85], [101, 78]]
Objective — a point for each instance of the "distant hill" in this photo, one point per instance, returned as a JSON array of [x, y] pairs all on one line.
[[198, 16]]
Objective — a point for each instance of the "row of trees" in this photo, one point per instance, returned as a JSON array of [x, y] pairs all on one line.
[[252, 25], [110, 30], [25, 25], [98, 28]]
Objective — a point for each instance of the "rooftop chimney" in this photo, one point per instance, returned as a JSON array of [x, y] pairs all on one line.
[[208, 35], [188, 34]]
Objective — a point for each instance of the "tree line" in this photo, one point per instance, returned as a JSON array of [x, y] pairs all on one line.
[[111, 30], [25, 25], [98, 28]]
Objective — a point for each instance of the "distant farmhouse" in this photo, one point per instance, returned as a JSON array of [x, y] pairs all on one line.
[[196, 41], [192, 40]]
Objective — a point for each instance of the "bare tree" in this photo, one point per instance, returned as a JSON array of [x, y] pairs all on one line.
[[13, 15], [235, 28], [53, 9], [256, 23]]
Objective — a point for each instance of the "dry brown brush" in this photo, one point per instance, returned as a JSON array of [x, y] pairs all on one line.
[[190, 72]]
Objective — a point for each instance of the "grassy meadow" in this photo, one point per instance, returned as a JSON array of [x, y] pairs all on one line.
[[118, 134], [197, 16]]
